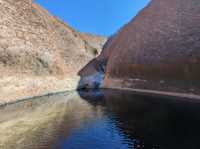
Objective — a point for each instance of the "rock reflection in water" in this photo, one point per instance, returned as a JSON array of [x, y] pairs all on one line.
[[39, 123], [152, 122], [105, 119]]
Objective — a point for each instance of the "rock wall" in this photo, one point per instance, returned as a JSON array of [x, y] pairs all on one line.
[[35, 41], [158, 50], [36, 47]]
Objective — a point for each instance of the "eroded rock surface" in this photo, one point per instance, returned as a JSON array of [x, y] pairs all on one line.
[[34, 44], [157, 50]]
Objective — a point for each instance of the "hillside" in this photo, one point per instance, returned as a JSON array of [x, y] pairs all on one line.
[[38, 52]]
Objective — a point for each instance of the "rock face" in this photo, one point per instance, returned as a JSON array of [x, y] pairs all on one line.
[[37, 42], [157, 50], [33, 44]]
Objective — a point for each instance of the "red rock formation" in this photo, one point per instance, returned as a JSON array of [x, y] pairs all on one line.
[[158, 50]]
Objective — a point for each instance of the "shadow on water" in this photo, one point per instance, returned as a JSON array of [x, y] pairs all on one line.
[[151, 122], [92, 74], [104, 119]]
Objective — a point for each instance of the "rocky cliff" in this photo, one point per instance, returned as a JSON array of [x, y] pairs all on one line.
[[38, 52], [158, 50]]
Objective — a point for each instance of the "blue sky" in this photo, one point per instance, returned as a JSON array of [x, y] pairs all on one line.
[[102, 17]]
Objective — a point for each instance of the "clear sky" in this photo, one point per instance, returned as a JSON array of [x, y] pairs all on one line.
[[102, 17]]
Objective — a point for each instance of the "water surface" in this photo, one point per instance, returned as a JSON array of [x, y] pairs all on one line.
[[105, 119]]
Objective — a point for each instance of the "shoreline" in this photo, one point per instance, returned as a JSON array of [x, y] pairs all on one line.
[[14, 89], [162, 94], [151, 93], [33, 97]]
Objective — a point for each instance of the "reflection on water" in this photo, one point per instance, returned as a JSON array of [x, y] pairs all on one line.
[[103, 119]]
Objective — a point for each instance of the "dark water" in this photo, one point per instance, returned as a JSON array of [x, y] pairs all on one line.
[[137, 122], [110, 119]]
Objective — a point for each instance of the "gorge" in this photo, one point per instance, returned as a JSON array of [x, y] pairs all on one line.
[[158, 50], [61, 88]]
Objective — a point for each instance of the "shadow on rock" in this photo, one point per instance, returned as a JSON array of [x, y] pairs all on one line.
[[92, 75]]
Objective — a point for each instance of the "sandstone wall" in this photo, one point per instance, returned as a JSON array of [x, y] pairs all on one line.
[[158, 50], [35, 47], [35, 41]]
